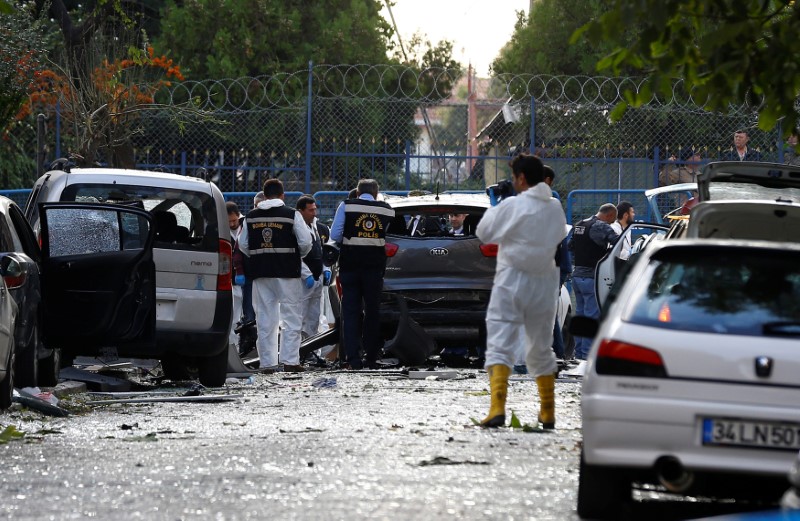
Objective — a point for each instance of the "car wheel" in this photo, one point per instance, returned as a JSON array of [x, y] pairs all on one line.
[[7, 385], [213, 370], [50, 368], [602, 491], [27, 362]]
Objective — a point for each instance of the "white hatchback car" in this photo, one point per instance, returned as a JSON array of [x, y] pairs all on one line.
[[692, 383], [192, 253]]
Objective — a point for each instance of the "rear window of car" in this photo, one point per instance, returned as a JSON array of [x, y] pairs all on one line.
[[756, 294], [436, 221], [721, 191], [184, 219]]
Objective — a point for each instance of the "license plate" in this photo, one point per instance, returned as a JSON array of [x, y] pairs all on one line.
[[747, 433]]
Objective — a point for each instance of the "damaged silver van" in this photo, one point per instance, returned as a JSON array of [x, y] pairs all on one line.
[[192, 254]]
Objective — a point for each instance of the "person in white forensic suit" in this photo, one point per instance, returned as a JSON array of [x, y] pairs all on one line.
[[528, 229]]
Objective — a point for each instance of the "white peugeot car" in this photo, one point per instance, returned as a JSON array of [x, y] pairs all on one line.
[[691, 383]]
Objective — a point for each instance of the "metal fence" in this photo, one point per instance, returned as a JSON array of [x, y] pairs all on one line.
[[322, 129]]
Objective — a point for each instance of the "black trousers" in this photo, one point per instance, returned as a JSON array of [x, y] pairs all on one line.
[[361, 327]]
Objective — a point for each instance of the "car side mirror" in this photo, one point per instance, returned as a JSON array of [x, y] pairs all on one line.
[[580, 325]]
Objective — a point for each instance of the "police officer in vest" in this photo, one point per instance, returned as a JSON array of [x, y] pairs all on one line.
[[590, 240], [275, 238], [360, 227], [311, 305]]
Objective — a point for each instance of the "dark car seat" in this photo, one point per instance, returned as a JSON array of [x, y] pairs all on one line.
[[166, 226]]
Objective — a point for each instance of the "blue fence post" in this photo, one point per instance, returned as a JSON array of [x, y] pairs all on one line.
[[183, 162], [408, 165], [308, 128], [656, 163], [780, 142]]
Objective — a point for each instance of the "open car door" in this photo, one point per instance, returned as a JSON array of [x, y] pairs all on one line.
[[611, 270], [98, 276]]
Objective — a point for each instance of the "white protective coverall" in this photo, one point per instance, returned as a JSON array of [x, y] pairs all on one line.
[[522, 309], [278, 300], [311, 304]]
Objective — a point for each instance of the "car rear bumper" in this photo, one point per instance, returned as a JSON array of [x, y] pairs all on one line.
[[636, 432]]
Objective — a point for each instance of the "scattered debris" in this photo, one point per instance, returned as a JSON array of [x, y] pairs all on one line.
[[324, 383], [432, 375], [32, 402], [150, 436], [69, 387], [208, 398], [95, 381], [304, 431], [441, 460]]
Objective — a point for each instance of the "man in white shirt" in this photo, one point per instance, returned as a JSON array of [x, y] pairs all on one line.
[[625, 215]]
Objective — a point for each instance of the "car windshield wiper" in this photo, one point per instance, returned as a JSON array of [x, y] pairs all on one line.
[[782, 328]]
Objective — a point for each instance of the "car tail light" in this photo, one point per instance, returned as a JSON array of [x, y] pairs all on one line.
[[489, 250], [14, 281], [391, 249], [225, 264], [664, 314], [623, 359]]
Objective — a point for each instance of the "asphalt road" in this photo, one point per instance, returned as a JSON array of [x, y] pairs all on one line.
[[368, 447]]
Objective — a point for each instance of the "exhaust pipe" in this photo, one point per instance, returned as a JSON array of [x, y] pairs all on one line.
[[672, 475]]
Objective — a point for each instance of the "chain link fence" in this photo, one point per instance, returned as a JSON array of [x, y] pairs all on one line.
[[322, 129]]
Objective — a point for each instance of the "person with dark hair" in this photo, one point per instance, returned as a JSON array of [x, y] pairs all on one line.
[[359, 225], [276, 238], [740, 150], [625, 216], [590, 240], [528, 229], [313, 267]]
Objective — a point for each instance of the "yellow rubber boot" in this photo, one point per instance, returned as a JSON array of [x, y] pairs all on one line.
[[547, 400], [498, 381]]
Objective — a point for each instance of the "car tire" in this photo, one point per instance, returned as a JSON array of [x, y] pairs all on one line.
[[213, 370], [603, 492], [27, 363], [7, 384], [50, 368]]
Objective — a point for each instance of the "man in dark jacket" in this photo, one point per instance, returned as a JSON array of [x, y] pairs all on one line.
[[590, 240], [360, 227]]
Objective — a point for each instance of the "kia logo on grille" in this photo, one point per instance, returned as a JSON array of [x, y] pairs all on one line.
[[763, 366], [439, 252]]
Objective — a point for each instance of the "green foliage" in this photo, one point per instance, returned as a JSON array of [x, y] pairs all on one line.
[[10, 433], [540, 42], [20, 60], [231, 39], [728, 52]]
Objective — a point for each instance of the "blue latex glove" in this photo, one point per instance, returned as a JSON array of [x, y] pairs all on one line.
[[492, 198], [239, 280], [326, 277], [309, 282]]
